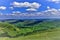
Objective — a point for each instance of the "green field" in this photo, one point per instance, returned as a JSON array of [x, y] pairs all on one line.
[[47, 35], [46, 30]]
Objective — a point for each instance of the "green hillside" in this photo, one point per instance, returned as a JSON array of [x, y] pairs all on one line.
[[47, 35], [30, 30]]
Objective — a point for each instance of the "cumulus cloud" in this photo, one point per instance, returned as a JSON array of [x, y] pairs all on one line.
[[56, 1], [26, 4], [53, 11], [31, 9], [2, 7]]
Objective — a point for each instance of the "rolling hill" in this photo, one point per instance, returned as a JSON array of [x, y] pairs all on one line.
[[25, 29]]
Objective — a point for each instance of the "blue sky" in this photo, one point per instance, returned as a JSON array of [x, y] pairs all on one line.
[[7, 7]]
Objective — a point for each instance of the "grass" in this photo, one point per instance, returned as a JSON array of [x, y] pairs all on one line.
[[13, 31], [47, 35], [46, 30]]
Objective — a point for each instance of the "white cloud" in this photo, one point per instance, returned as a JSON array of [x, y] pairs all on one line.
[[26, 4], [11, 8], [59, 9], [1, 13], [31, 9], [2, 7], [48, 7], [56, 1], [16, 12], [53, 11]]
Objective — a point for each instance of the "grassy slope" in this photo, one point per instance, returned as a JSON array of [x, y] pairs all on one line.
[[47, 35], [53, 34]]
